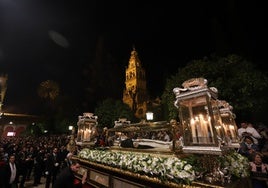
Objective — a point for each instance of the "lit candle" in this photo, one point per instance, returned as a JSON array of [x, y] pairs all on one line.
[[199, 129], [193, 130], [82, 135], [210, 129], [86, 134], [231, 127], [204, 128], [89, 134], [224, 128], [78, 135]]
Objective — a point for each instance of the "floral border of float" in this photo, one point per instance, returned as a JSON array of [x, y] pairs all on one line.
[[166, 168]]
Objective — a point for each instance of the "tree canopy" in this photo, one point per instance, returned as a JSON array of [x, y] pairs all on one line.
[[110, 110], [238, 82]]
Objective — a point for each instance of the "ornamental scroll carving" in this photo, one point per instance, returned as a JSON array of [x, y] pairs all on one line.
[[193, 84]]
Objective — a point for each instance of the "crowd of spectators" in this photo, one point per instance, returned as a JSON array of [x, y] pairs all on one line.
[[254, 146], [34, 158]]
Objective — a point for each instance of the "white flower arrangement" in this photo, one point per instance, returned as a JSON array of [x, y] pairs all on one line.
[[237, 164], [166, 168], [171, 168]]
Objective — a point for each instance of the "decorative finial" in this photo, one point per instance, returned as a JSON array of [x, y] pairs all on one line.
[[133, 47]]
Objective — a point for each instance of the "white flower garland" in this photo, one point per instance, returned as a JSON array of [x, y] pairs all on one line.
[[168, 168]]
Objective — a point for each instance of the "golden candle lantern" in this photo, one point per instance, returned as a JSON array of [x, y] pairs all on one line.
[[86, 131], [200, 117], [229, 124]]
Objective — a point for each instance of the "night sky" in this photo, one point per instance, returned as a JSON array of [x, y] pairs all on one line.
[[56, 39]]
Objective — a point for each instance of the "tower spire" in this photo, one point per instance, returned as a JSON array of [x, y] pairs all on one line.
[[133, 47]]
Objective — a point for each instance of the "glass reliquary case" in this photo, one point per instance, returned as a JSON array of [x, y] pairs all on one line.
[[144, 136]]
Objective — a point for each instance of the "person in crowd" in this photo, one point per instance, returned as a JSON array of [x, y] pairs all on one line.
[[160, 135], [39, 164], [3, 154], [68, 160], [62, 153], [248, 147], [66, 178], [102, 138], [127, 142], [247, 129], [30, 161], [259, 171], [22, 165], [11, 174], [242, 129], [111, 138], [2, 167], [153, 136], [263, 142], [166, 137], [251, 131], [52, 167]]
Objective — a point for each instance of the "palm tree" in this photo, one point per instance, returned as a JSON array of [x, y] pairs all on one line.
[[48, 90]]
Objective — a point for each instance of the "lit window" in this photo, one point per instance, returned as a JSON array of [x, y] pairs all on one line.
[[11, 133]]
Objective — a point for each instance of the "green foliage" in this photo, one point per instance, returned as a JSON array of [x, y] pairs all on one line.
[[57, 109], [48, 89], [64, 114], [237, 80], [110, 110], [196, 162], [62, 125], [34, 129]]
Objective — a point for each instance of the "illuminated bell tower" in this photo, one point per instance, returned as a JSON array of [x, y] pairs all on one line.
[[135, 92]]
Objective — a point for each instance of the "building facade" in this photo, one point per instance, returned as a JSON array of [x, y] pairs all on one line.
[[3, 88], [12, 124]]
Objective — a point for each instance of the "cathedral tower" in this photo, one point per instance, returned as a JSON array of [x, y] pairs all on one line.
[[135, 92]]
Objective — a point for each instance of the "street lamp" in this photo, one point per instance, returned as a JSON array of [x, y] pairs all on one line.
[[149, 116]]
